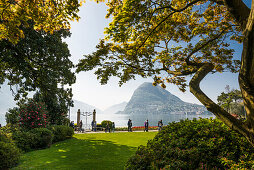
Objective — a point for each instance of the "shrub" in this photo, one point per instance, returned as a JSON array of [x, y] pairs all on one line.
[[104, 123], [37, 138], [61, 132], [42, 138], [9, 153], [33, 115], [24, 140], [196, 144]]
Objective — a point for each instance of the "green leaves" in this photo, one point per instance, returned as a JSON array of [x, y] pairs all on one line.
[[170, 38]]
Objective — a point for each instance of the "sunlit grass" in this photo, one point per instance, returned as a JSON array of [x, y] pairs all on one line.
[[87, 151]]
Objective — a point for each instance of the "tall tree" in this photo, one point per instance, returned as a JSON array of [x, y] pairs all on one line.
[[38, 61], [171, 39]]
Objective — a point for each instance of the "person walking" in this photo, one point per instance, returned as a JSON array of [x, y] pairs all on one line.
[[146, 125], [107, 128], [160, 124], [129, 125], [80, 126], [113, 127], [94, 126]]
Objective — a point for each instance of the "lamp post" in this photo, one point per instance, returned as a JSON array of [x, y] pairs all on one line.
[[86, 114]]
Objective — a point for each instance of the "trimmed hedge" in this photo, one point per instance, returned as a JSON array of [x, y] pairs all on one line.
[[9, 153], [37, 138], [61, 132], [194, 144]]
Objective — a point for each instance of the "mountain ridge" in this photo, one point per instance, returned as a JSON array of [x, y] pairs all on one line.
[[148, 99]]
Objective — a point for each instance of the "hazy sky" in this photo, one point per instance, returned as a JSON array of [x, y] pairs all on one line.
[[86, 34]]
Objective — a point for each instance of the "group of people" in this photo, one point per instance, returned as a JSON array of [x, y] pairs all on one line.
[[146, 125], [79, 128], [108, 128]]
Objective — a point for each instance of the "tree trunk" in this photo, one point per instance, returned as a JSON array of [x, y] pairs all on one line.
[[220, 113], [246, 76]]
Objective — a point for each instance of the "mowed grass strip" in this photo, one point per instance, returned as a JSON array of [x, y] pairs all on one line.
[[87, 151]]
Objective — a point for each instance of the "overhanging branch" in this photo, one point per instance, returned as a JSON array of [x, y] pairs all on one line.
[[224, 116]]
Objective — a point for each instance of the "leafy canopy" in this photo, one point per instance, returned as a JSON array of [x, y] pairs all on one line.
[[49, 15], [166, 39]]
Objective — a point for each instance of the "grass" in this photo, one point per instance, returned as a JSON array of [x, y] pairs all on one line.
[[87, 151]]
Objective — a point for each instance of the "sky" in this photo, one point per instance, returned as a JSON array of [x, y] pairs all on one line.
[[85, 36]]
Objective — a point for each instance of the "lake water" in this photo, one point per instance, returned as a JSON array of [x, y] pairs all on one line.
[[138, 120]]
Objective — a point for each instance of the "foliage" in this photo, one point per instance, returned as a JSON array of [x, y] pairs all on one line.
[[231, 99], [143, 40], [42, 138], [9, 153], [12, 116], [84, 150], [61, 132], [33, 115], [48, 15], [105, 122], [194, 144], [57, 107], [24, 140], [38, 61], [34, 139], [172, 39]]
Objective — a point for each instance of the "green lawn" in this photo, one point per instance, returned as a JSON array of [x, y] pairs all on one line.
[[87, 151]]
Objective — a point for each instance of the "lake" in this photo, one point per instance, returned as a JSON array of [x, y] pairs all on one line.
[[138, 120]]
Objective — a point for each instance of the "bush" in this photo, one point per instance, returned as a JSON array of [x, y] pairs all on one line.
[[24, 140], [42, 138], [61, 132], [9, 153], [33, 115], [196, 144], [104, 123], [37, 138]]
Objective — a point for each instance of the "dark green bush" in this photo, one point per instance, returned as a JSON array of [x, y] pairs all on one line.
[[196, 144], [24, 140], [37, 138], [42, 138], [61, 132], [9, 153]]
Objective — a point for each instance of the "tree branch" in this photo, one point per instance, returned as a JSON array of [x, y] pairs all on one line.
[[174, 11], [224, 116]]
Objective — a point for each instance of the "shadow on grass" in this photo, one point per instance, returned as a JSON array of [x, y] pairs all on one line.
[[79, 154]]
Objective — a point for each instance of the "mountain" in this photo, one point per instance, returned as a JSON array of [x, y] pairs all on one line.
[[149, 99], [115, 108], [83, 108]]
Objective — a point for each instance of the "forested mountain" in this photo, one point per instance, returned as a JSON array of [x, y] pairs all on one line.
[[149, 99]]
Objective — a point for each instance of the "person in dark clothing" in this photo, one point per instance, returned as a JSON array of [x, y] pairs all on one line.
[[129, 125], [146, 125], [160, 124]]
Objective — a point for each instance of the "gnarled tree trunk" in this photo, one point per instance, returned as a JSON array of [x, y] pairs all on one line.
[[245, 17]]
